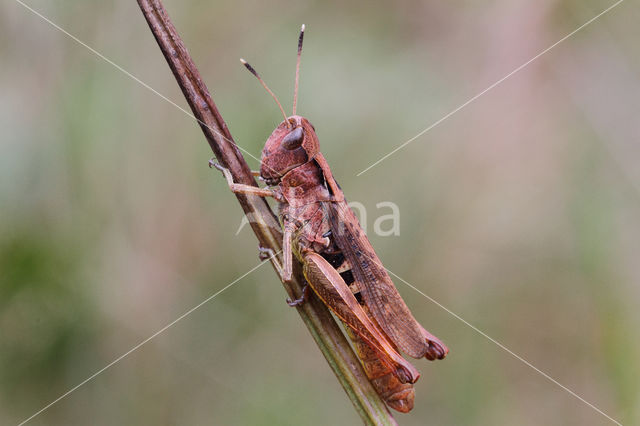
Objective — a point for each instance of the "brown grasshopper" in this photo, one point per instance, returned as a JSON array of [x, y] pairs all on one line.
[[339, 263]]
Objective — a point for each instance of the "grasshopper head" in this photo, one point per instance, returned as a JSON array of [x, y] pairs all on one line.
[[292, 144]]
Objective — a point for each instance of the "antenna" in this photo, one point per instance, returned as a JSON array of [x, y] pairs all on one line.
[[295, 91], [254, 72]]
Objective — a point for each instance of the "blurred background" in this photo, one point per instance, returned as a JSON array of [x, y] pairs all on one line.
[[520, 212]]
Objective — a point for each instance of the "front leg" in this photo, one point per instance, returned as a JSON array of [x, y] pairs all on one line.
[[266, 253], [285, 273], [287, 252], [286, 270], [240, 188]]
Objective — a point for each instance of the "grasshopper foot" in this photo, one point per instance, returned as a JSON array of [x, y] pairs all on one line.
[[303, 298], [265, 253], [214, 163]]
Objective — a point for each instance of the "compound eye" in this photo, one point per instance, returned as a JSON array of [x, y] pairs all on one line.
[[293, 140]]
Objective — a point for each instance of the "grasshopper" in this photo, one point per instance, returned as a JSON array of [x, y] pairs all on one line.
[[339, 263]]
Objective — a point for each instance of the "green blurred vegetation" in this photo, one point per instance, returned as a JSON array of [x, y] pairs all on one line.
[[519, 213]]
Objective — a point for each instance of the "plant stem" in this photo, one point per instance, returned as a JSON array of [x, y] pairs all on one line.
[[321, 324]]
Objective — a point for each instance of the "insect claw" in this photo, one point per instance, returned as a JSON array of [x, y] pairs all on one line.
[[263, 256], [264, 253], [303, 298], [214, 163]]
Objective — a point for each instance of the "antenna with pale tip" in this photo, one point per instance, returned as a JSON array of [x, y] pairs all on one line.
[[295, 90], [255, 73]]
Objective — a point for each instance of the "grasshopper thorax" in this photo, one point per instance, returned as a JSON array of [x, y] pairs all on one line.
[[293, 143]]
